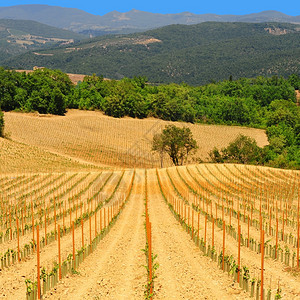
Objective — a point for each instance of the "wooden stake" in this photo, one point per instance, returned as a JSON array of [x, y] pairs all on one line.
[[198, 225], [239, 253], [276, 247], [100, 220], [45, 216], [205, 229], [10, 225], [59, 254], [282, 225], [32, 218], [18, 235], [223, 245], [150, 260], [298, 230], [248, 232], [38, 262], [82, 237], [55, 218], [193, 224], [104, 225], [188, 219], [262, 266], [95, 223], [73, 242], [90, 221], [213, 232], [22, 221]]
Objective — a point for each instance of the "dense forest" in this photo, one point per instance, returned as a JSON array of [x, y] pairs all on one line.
[[194, 54], [261, 102]]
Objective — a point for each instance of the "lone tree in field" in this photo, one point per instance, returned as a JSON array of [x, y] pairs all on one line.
[[177, 142]]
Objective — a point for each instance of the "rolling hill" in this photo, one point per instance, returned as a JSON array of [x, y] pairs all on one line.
[[195, 54], [20, 36], [132, 21]]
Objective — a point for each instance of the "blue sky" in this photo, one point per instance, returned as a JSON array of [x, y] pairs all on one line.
[[290, 7]]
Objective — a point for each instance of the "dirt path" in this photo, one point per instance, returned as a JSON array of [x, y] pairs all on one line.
[[183, 273], [115, 270]]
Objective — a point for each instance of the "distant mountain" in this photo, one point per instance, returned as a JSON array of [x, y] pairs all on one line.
[[19, 36], [132, 21], [195, 54]]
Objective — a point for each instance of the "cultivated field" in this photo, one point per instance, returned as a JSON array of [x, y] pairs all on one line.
[[107, 211], [94, 137], [84, 223]]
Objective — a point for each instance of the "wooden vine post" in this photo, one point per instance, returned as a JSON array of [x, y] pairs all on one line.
[[239, 253], [22, 221], [150, 259], [248, 232], [198, 226], [38, 261], [90, 221], [276, 247], [213, 233], [95, 222], [223, 245], [282, 225], [82, 236], [10, 224], [262, 264], [18, 236], [45, 216], [54, 203], [59, 253], [205, 229], [193, 224], [298, 229], [32, 219], [73, 242]]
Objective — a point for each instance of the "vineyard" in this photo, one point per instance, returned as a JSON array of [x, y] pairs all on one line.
[[227, 230], [78, 221]]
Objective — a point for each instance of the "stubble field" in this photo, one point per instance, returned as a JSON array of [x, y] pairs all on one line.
[[94, 137]]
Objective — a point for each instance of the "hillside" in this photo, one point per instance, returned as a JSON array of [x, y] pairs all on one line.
[[20, 36], [96, 138], [125, 22], [195, 54]]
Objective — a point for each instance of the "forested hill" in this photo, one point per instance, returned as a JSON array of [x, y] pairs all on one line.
[[195, 54], [19, 36]]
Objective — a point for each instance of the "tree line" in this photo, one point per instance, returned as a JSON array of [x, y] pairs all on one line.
[[261, 102]]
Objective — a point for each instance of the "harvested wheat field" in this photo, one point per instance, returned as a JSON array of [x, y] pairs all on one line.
[[78, 223], [94, 137]]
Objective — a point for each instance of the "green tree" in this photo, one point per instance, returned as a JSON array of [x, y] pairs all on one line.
[[177, 142], [242, 150]]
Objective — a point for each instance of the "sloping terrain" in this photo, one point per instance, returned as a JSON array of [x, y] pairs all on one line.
[[195, 54], [20, 36], [94, 137], [195, 212], [126, 22]]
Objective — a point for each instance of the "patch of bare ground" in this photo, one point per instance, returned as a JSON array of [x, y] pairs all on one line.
[[183, 273], [298, 97]]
